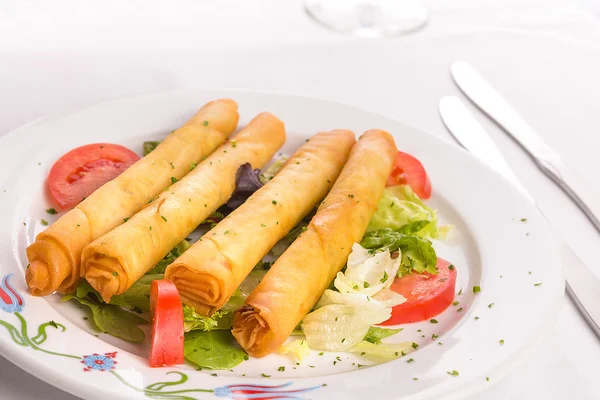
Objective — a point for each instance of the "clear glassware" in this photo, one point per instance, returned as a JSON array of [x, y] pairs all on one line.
[[370, 18]]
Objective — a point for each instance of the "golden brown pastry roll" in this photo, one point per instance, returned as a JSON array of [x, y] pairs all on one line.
[[111, 264], [209, 272], [55, 255], [299, 277]]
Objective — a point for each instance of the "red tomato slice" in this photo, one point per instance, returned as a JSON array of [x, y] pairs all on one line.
[[409, 171], [166, 347], [82, 170], [426, 295]]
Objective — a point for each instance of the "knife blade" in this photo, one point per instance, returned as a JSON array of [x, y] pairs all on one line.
[[494, 105], [582, 285]]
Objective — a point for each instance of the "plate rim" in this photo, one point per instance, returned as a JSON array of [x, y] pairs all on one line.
[[471, 388]]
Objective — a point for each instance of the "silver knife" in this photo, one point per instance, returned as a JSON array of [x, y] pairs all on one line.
[[582, 285], [494, 105]]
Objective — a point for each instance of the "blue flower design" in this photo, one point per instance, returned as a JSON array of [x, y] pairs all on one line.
[[99, 362]]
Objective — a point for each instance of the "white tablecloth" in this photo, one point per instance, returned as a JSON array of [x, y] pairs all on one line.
[[540, 53]]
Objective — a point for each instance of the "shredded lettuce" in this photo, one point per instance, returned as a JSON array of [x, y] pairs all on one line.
[[149, 146], [384, 350], [367, 273], [299, 348], [273, 169], [222, 319], [375, 334], [400, 207], [344, 316], [416, 253], [162, 265], [338, 327]]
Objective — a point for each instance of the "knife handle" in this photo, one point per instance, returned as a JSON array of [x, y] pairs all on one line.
[[574, 187]]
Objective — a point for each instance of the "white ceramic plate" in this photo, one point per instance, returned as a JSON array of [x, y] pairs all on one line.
[[490, 245]]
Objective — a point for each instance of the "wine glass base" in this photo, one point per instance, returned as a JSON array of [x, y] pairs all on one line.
[[374, 18]]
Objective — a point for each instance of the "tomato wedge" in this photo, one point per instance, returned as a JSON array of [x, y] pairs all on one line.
[[166, 347], [426, 295], [82, 170], [409, 171]]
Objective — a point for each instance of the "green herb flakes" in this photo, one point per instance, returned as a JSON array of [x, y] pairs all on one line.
[[51, 211], [476, 289], [44, 222]]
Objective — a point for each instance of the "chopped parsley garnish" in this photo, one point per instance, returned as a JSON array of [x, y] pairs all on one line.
[[415, 345], [263, 374], [415, 379], [451, 267], [476, 289], [281, 369], [476, 318], [274, 202], [501, 341], [233, 143], [149, 228], [125, 219], [453, 373], [44, 222], [172, 166], [459, 310], [523, 219], [434, 336], [433, 321], [51, 211], [410, 360], [490, 305], [366, 284], [460, 292], [192, 166], [173, 179], [455, 303], [487, 378], [351, 196], [538, 284], [343, 340], [385, 277], [206, 124], [262, 225], [163, 217], [321, 353], [115, 273]]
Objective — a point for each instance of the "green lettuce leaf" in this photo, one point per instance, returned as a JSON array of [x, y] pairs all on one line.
[[162, 265], [400, 207], [218, 321], [213, 349], [417, 252], [382, 350], [375, 334], [113, 319], [222, 319], [149, 146]]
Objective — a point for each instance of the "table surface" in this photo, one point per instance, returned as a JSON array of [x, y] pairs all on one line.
[[543, 55]]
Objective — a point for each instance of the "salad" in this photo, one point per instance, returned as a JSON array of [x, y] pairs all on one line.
[[316, 251]]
